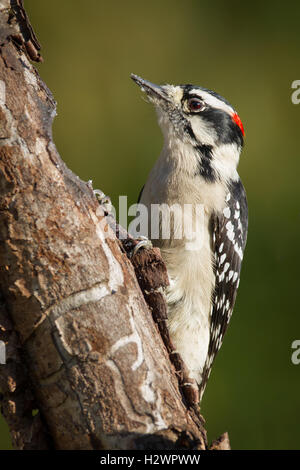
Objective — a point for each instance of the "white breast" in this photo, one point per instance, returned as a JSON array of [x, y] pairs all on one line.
[[189, 297], [172, 181]]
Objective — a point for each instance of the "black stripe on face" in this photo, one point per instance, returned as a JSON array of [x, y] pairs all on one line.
[[188, 129], [227, 130], [205, 168]]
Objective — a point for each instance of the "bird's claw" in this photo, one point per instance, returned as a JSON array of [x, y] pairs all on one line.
[[144, 242]]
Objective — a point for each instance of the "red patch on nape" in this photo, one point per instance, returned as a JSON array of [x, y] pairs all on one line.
[[236, 118]]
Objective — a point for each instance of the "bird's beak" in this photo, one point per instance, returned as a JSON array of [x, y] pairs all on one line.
[[154, 92]]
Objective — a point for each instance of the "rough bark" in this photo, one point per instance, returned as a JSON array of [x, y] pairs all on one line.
[[86, 364]]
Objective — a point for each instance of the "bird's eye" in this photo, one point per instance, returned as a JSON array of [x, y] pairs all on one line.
[[195, 105]]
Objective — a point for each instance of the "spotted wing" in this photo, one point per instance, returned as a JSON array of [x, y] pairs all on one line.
[[229, 234]]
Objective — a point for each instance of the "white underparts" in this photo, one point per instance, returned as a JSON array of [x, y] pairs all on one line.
[[191, 272]]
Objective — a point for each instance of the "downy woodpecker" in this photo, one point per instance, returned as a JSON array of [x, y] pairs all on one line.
[[203, 138]]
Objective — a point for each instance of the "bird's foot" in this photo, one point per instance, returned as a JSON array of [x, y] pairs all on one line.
[[103, 200], [144, 242], [187, 384], [191, 392]]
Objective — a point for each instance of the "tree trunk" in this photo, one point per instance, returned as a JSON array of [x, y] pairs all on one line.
[[86, 366]]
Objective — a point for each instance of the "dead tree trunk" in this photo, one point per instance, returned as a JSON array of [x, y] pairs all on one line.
[[86, 367]]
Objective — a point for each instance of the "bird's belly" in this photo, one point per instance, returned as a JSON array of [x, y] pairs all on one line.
[[189, 303], [189, 262], [191, 340]]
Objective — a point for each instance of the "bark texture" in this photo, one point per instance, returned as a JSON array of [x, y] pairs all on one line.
[[86, 364]]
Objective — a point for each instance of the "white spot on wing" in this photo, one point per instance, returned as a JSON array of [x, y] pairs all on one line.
[[230, 235], [227, 212], [222, 259], [229, 226], [226, 267]]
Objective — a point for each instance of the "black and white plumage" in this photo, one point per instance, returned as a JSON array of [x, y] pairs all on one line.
[[229, 235], [203, 138]]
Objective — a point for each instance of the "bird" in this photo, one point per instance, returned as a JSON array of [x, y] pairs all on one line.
[[197, 167]]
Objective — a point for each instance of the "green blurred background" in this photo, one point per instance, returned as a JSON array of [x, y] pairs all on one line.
[[104, 131]]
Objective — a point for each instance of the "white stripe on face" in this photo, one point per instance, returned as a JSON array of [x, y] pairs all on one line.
[[212, 101]]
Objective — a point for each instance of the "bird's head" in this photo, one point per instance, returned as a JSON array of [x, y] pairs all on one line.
[[201, 119]]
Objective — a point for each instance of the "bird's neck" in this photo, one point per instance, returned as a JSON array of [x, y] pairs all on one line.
[[212, 162]]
